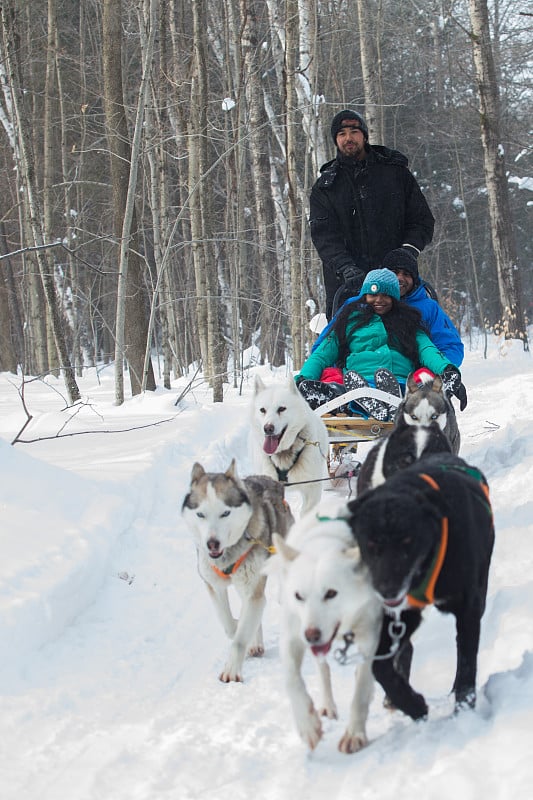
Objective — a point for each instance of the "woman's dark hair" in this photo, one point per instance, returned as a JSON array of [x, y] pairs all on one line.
[[402, 323]]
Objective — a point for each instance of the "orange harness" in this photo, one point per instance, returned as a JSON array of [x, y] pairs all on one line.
[[424, 595], [232, 569]]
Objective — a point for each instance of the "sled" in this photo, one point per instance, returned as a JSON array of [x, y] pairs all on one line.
[[346, 432]]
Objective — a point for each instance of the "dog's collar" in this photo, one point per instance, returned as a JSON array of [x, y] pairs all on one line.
[[232, 569]]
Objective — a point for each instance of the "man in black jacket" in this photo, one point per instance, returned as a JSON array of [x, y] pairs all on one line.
[[365, 203]]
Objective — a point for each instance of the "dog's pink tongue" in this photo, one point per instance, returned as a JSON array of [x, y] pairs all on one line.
[[270, 445], [321, 649]]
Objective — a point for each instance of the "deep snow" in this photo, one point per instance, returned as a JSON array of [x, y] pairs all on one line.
[[111, 650]]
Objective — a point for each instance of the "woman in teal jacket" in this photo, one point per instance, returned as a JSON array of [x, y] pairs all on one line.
[[378, 341]]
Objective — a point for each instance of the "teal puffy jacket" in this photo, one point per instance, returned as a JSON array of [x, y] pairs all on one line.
[[369, 349]]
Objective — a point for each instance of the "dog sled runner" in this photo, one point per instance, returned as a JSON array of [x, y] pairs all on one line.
[[345, 432]]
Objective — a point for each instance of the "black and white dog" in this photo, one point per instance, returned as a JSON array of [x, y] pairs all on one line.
[[427, 536], [398, 449], [426, 402]]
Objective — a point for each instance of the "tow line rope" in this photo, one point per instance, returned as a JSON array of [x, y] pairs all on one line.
[[283, 474], [396, 631]]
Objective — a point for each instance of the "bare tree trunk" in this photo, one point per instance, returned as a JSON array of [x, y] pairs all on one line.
[[27, 167], [310, 85], [49, 157], [34, 351], [199, 103], [12, 349], [158, 190], [70, 293], [271, 302], [292, 46], [513, 324], [132, 318], [8, 359], [369, 21]]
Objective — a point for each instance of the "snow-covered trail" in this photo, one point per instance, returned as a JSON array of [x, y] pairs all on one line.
[[120, 698]]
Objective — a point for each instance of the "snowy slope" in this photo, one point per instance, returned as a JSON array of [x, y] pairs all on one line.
[[111, 649]]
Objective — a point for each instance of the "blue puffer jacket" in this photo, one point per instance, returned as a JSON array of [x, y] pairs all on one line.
[[442, 331], [369, 349]]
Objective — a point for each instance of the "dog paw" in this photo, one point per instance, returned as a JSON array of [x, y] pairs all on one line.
[[310, 729], [352, 742], [388, 704], [328, 711], [466, 702], [230, 675], [256, 651]]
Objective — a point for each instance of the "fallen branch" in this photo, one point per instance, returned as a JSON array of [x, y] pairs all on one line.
[[85, 433], [29, 416], [76, 409]]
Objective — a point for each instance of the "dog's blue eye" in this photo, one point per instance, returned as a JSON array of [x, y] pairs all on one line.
[[434, 416], [413, 416], [199, 514], [225, 513], [330, 594]]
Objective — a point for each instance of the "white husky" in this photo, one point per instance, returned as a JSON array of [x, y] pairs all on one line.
[[233, 522], [327, 595], [290, 440]]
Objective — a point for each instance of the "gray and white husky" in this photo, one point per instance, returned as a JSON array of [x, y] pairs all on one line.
[[233, 521], [327, 596], [425, 403], [290, 441]]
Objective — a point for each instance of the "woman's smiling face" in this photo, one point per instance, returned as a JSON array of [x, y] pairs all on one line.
[[380, 303]]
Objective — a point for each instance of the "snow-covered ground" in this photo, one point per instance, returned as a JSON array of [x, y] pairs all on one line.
[[111, 650]]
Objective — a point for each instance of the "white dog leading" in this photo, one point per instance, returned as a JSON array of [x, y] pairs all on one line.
[[326, 594]]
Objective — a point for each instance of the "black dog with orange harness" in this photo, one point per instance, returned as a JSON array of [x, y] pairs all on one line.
[[427, 536]]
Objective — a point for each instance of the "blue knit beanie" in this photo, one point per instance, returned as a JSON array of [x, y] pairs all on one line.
[[381, 281]]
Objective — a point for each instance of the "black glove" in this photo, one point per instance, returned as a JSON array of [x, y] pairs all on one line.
[[350, 274], [451, 381]]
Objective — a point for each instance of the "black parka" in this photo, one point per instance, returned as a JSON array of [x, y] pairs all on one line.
[[361, 210]]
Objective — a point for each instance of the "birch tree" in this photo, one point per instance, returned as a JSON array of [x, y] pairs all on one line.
[[294, 207], [202, 214], [513, 323], [369, 17], [268, 272], [26, 164]]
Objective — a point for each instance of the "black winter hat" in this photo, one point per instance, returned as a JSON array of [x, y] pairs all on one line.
[[346, 114], [401, 259]]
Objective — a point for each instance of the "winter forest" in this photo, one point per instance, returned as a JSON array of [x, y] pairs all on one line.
[[157, 158]]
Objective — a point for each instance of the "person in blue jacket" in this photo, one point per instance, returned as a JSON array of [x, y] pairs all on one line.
[[374, 340], [413, 291]]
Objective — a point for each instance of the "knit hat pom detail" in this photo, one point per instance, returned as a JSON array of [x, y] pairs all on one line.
[[381, 281]]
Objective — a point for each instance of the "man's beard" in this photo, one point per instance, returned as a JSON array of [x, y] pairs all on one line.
[[353, 154]]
